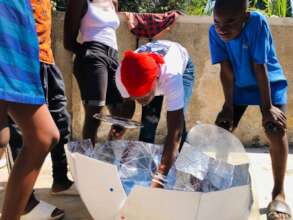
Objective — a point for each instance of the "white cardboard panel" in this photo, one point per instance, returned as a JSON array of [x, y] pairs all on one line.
[[103, 194], [99, 186], [158, 204], [230, 204]]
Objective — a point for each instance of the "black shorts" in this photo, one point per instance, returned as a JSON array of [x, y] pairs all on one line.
[[95, 66], [239, 110]]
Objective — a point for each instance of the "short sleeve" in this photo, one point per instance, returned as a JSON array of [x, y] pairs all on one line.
[[176, 60], [261, 41], [217, 47], [174, 92], [119, 84]]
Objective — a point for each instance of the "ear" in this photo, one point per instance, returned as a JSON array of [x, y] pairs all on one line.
[[158, 58]]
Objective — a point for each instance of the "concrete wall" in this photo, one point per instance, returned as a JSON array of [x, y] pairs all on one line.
[[207, 99]]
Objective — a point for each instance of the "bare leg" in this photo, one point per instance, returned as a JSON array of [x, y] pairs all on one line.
[[4, 130], [279, 154], [39, 135], [4, 139], [3, 161], [15, 145], [2, 151], [91, 125]]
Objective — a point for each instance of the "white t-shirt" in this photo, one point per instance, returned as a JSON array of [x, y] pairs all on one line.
[[100, 25], [170, 82]]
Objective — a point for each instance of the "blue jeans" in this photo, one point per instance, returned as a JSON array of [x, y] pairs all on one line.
[[188, 81], [151, 113]]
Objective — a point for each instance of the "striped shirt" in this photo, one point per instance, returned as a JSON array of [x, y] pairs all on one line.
[[19, 54]]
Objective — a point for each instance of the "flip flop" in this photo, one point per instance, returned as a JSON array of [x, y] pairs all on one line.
[[278, 207], [71, 191], [42, 211]]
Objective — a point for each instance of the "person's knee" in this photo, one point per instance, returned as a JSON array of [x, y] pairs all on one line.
[[273, 132], [234, 127], [3, 141], [90, 111], [44, 140], [50, 141], [278, 139], [4, 137]]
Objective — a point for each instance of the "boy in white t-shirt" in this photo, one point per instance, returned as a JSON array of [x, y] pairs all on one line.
[[160, 68]]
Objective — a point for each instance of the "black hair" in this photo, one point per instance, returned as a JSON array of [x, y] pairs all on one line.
[[231, 5]]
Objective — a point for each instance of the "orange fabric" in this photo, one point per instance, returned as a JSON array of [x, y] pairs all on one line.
[[43, 16]]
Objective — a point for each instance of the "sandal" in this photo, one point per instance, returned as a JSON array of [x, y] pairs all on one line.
[[43, 211], [277, 207]]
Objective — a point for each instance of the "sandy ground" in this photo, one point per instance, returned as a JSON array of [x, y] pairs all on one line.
[[260, 168]]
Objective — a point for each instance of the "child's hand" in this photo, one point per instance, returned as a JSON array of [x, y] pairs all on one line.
[[159, 180], [274, 116], [225, 118], [156, 185], [116, 132]]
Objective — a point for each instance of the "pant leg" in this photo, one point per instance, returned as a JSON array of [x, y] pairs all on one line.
[[188, 82], [55, 90], [15, 141], [150, 119]]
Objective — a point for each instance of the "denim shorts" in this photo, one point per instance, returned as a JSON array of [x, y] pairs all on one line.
[[188, 81]]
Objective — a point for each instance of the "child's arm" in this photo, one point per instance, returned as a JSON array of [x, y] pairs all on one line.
[[225, 117], [264, 85], [269, 112], [175, 120], [74, 13], [227, 80]]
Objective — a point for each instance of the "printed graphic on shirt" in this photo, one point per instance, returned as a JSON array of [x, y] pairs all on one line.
[[154, 47]]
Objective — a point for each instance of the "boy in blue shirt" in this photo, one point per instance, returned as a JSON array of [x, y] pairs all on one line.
[[241, 42]]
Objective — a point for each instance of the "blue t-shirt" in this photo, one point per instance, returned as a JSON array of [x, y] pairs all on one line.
[[254, 44], [20, 80]]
